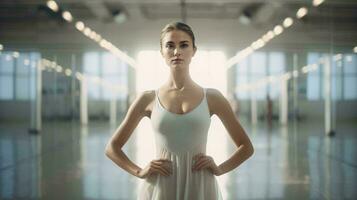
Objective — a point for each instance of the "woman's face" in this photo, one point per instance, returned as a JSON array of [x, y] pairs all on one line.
[[177, 48]]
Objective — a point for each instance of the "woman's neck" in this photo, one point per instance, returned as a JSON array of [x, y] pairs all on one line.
[[179, 80]]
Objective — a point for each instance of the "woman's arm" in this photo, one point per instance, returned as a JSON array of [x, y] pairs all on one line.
[[221, 107], [113, 149]]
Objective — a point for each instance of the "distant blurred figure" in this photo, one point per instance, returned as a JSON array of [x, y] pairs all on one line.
[[269, 110]]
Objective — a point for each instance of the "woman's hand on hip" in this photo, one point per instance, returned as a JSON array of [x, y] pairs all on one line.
[[202, 161], [159, 166]]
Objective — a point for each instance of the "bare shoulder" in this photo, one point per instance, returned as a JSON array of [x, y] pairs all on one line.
[[217, 102], [142, 103]]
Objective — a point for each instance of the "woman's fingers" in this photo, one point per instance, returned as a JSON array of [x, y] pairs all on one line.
[[203, 163], [162, 166], [166, 164], [198, 156], [160, 170], [163, 159]]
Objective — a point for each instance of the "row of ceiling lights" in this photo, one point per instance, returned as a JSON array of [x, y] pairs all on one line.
[[277, 30], [90, 33]]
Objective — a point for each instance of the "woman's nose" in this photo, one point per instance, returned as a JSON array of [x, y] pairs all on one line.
[[176, 51]]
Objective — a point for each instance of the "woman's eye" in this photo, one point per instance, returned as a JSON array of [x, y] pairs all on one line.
[[184, 45], [169, 46]]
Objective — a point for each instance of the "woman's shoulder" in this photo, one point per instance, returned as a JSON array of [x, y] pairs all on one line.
[[143, 101], [214, 93], [146, 96], [215, 98]]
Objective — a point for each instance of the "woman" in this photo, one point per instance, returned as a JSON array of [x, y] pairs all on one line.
[[180, 112]]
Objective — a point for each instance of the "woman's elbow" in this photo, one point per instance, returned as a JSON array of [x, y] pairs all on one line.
[[251, 150], [108, 149]]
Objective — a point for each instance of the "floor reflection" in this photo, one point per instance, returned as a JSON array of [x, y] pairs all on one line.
[[67, 161]]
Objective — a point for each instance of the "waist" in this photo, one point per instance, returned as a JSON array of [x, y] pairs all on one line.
[[180, 151]]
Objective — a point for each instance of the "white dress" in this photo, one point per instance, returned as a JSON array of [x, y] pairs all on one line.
[[179, 137]]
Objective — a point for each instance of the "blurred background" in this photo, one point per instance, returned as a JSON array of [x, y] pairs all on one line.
[[69, 69]]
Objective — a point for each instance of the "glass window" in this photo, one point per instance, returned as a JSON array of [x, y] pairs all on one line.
[[258, 71], [343, 77], [350, 77], [6, 87], [257, 67], [6, 76], [110, 69], [22, 87], [91, 63], [18, 75], [350, 91], [6, 63], [276, 68], [313, 78], [242, 79], [22, 77]]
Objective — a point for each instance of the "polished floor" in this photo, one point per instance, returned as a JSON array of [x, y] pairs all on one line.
[[67, 161]]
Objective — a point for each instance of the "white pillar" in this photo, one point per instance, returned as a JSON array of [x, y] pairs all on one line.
[[73, 86], [283, 101], [327, 92], [295, 87], [113, 110], [254, 110], [36, 119], [83, 101]]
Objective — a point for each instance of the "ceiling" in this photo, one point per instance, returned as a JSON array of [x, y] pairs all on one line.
[[23, 21]]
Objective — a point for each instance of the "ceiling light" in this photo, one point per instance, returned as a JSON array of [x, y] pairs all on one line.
[[337, 57], [278, 29], [87, 31], [301, 12], [93, 35], [270, 34], [80, 26], [52, 5], [98, 38], [67, 16], [317, 2], [266, 38], [295, 73], [260, 43], [68, 72], [287, 22], [16, 54]]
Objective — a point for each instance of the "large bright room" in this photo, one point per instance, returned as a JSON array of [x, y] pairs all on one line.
[[178, 99]]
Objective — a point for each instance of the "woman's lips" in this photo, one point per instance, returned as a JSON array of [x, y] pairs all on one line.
[[177, 60]]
